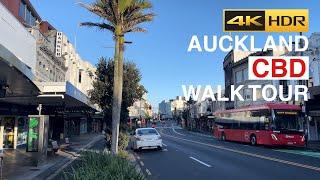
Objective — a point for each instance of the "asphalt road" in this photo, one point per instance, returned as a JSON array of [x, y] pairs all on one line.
[[189, 155]]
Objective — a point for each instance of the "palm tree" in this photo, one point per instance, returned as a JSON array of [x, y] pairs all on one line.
[[119, 17]]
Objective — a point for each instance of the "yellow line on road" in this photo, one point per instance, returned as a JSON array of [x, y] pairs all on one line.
[[250, 154]]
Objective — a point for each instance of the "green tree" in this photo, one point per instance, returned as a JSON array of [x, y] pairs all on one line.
[[102, 92], [119, 17]]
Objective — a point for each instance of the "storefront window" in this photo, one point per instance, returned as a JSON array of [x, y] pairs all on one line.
[[8, 123], [22, 131]]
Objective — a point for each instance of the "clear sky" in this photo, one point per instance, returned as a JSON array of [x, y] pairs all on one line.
[[161, 54]]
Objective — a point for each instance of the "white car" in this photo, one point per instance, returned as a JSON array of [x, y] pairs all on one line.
[[146, 138]]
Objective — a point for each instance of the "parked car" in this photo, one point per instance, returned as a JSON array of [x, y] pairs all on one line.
[[146, 138]]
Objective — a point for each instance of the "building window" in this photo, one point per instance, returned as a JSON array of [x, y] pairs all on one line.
[[238, 77], [22, 10], [247, 94], [302, 82], [26, 14], [245, 74], [28, 17], [80, 76], [32, 21], [284, 84]]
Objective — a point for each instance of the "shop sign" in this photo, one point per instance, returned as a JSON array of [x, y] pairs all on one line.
[[59, 44]]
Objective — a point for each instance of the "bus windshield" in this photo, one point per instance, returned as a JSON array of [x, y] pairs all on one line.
[[287, 121]]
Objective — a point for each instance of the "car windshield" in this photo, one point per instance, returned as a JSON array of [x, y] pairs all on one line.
[[142, 132], [287, 121]]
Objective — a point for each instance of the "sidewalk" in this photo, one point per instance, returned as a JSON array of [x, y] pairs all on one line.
[[314, 145], [18, 163]]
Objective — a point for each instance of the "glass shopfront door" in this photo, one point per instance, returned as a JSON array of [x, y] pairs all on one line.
[[8, 135]]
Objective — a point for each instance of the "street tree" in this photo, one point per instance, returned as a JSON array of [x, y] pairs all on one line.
[[103, 86], [119, 17]]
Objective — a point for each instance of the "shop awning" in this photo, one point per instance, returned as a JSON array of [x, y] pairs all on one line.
[[16, 78]]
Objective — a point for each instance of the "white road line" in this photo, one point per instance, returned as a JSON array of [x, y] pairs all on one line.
[[141, 163], [138, 157], [165, 150], [200, 161], [148, 172], [251, 154], [177, 132], [164, 145]]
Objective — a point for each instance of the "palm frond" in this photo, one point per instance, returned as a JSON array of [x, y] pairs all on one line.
[[122, 16], [100, 8], [131, 23], [136, 29], [124, 4], [101, 26]]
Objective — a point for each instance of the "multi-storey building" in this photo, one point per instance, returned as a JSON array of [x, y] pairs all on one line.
[[165, 109], [80, 73], [140, 109], [177, 106], [312, 105], [40, 74], [236, 73], [17, 69], [49, 68]]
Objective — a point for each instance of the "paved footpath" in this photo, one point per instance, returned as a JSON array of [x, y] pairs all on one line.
[[18, 163]]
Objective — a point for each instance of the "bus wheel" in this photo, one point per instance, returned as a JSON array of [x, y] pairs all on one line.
[[223, 137], [253, 140]]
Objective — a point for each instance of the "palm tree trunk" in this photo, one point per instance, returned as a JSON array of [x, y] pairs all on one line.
[[117, 92]]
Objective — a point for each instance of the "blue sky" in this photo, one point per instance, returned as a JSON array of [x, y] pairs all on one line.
[[161, 54]]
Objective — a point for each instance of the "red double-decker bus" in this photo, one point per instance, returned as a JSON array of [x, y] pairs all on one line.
[[273, 124]]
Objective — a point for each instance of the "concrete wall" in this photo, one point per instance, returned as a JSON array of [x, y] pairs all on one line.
[[16, 38]]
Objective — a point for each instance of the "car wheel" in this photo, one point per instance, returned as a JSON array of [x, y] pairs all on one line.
[[223, 137], [159, 148], [253, 140]]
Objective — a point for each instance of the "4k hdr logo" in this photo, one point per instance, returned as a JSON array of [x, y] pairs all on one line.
[[269, 20]]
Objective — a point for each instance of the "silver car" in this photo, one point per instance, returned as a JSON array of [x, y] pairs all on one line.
[[146, 138]]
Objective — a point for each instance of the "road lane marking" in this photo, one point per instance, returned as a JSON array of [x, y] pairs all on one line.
[[203, 135], [251, 154], [300, 152], [148, 172], [138, 157], [200, 161], [141, 163], [164, 145], [165, 150], [177, 132]]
